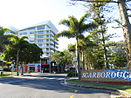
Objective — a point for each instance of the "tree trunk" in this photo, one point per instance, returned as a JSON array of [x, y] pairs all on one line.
[[105, 51], [126, 26], [17, 62], [22, 68], [78, 58], [83, 62]]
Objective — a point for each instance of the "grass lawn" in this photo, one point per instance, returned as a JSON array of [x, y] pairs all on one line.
[[126, 88], [6, 74]]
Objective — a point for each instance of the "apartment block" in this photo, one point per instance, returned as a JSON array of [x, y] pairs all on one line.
[[43, 35]]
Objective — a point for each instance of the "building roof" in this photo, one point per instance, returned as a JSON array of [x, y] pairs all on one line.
[[13, 29], [48, 22]]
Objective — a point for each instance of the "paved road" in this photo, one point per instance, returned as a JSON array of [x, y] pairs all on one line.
[[45, 86]]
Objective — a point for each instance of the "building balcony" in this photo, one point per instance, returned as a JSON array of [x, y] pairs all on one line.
[[44, 42], [44, 38], [46, 51], [56, 47]]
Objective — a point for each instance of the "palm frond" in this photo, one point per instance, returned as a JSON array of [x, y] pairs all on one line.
[[76, 27], [81, 36], [88, 27], [71, 47], [23, 37], [65, 22], [64, 33], [6, 29], [10, 36], [3, 30], [74, 24], [83, 18]]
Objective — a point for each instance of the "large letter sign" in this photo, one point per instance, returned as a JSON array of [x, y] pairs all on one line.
[[106, 75]]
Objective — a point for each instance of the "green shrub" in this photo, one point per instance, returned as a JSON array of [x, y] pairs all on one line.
[[72, 74]]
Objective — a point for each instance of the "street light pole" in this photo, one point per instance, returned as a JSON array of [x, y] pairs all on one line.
[[50, 67]]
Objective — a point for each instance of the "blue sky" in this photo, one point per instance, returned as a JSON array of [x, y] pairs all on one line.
[[23, 13]]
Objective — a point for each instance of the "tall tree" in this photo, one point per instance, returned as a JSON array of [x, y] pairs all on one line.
[[75, 30], [3, 38], [31, 53], [126, 26], [62, 59], [17, 44], [86, 51], [118, 58], [22, 52], [100, 35], [86, 46]]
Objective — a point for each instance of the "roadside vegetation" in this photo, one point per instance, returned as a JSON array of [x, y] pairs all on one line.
[[16, 50], [126, 88], [7, 74], [94, 48]]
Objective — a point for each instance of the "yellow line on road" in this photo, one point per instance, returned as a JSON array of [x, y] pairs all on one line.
[[72, 96]]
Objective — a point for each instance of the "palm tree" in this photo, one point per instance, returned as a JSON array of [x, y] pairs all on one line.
[[85, 50], [22, 52], [3, 41], [76, 28], [126, 25], [3, 38], [86, 46], [18, 43]]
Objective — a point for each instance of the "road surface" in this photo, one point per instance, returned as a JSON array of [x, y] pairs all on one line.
[[45, 86]]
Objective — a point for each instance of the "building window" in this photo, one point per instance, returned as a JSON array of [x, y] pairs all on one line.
[[48, 31], [47, 54], [31, 32], [23, 33], [40, 32], [33, 28], [47, 36], [40, 45], [32, 41], [43, 49], [48, 27], [40, 41], [40, 27], [47, 49], [40, 36]]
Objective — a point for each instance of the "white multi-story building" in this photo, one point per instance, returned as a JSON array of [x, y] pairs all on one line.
[[43, 35]]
